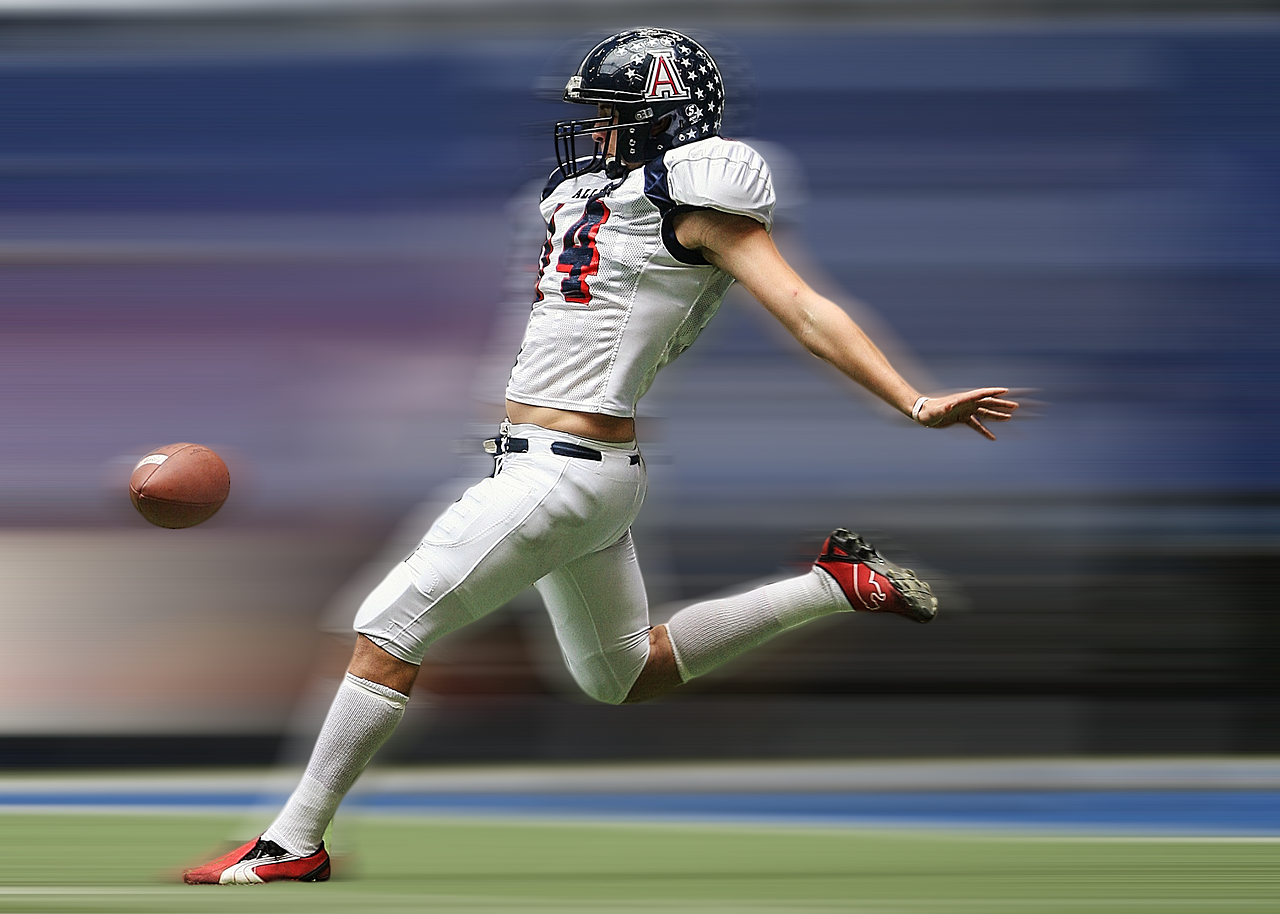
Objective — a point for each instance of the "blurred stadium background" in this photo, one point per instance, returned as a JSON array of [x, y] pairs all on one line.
[[286, 232]]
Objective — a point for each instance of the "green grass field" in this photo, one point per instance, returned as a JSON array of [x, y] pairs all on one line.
[[100, 862]]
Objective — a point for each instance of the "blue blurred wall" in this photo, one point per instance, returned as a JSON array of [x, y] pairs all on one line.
[[1087, 210]]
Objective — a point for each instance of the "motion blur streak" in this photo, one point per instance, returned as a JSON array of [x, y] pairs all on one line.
[[295, 246]]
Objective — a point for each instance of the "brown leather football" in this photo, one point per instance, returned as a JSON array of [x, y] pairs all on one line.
[[179, 485]]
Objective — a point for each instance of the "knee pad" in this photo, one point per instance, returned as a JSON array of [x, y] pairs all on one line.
[[394, 616], [381, 617]]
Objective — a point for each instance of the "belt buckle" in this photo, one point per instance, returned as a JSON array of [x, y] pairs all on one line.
[[497, 446]]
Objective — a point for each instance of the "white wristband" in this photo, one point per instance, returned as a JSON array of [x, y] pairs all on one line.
[[915, 410]]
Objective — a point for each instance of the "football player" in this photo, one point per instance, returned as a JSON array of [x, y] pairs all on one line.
[[650, 216]]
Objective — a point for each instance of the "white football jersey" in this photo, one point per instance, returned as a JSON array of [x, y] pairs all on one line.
[[617, 296]]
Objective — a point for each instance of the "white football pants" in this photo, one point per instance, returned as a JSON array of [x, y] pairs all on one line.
[[560, 523]]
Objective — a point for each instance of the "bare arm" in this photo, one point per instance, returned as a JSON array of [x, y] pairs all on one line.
[[741, 247]]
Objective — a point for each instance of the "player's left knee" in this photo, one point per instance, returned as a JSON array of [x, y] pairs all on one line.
[[607, 682], [644, 669], [611, 694]]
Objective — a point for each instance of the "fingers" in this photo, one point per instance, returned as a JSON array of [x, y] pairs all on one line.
[[982, 397], [971, 408], [1002, 404], [987, 406], [974, 420], [980, 428]]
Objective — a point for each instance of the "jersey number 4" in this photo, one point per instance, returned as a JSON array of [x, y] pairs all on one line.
[[579, 257]]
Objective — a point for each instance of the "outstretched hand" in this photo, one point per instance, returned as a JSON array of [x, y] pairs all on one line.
[[970, 408]]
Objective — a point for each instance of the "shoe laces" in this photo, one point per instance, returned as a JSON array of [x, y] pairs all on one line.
[[265, 848]]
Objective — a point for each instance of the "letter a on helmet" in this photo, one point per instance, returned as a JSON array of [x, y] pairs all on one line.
[[664, 79]]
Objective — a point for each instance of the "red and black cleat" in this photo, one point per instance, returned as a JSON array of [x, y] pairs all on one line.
[[260, 861], [871, 583]]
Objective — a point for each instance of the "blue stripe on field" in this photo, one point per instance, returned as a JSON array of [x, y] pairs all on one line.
[[1199, 811]]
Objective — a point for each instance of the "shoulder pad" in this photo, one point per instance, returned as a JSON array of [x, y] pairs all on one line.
[[720, 174]]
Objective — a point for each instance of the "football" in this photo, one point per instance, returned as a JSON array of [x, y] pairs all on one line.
[[179, 485]]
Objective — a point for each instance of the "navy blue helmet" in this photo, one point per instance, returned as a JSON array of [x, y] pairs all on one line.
[[665, 90]]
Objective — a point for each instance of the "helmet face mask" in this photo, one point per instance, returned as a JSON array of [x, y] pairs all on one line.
[[664, 90], [628, 148]]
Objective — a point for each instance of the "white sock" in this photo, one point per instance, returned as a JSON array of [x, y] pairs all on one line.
[[707, 634], [362, 716]]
